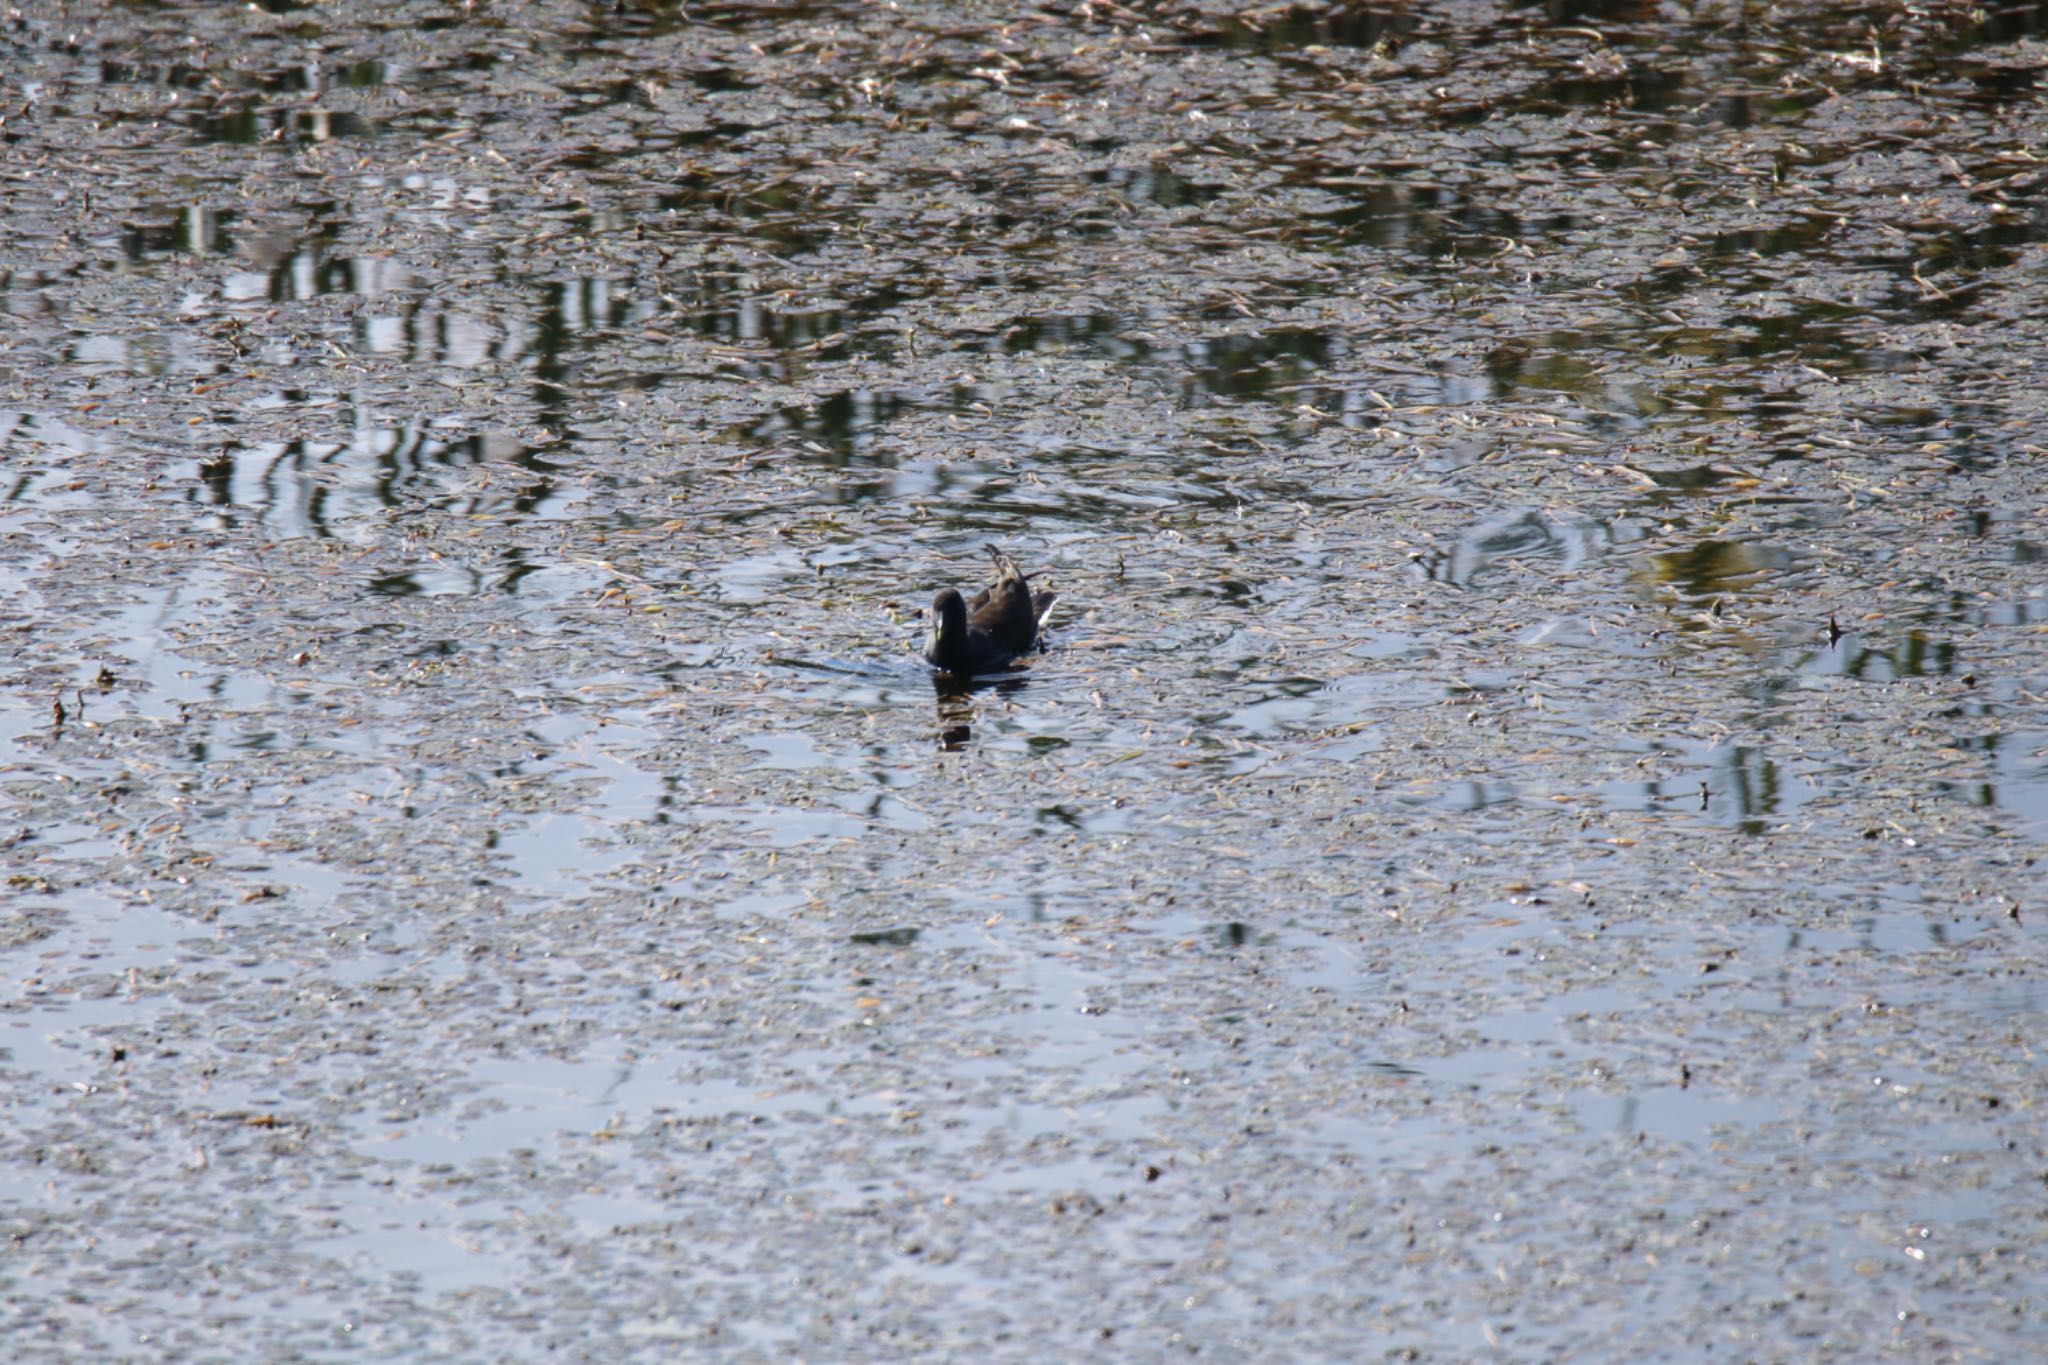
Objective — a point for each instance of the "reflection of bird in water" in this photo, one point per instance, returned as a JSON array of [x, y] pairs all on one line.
[[989, 631], [957, 712]]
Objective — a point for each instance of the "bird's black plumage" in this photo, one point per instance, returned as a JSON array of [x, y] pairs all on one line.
[[989, 631]]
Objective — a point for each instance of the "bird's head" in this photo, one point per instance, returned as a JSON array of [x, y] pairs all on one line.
[[949, 618]]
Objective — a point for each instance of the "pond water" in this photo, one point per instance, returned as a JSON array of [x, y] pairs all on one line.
[[1523, 839]]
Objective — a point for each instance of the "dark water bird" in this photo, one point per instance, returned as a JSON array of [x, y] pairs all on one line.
[[991, 630]]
